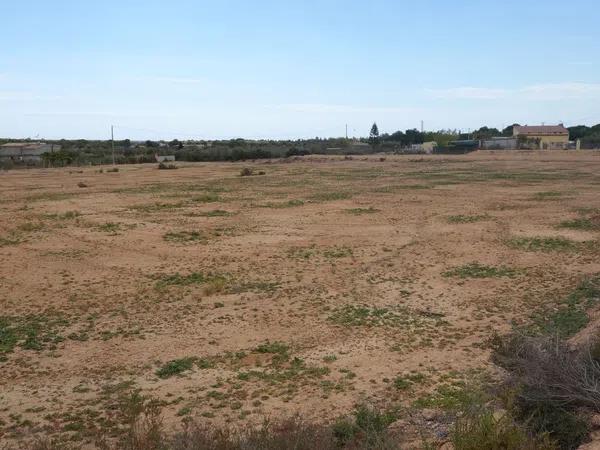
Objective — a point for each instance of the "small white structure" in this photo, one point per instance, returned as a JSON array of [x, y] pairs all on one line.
[[425, 147], [164, 158]]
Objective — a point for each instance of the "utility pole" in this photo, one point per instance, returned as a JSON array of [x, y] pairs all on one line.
[[112, 143]]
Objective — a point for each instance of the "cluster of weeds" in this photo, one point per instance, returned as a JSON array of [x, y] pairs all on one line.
[[156, 207], [476, 270], [544, 244], [284, 370], [185, 236], [361, 211], [338, 252], [301, 252], [460, 218], [406, 381], [367, 428], [110, 227], [453, 396], [30, 227], [32, 332], [175, 367], [169, 166], [186, 280]]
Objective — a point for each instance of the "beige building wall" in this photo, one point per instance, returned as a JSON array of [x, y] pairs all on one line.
[[552, 142]]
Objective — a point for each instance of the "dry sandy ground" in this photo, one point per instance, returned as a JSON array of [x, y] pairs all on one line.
[[308, 289]]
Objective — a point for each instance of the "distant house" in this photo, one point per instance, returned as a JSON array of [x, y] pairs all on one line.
[[553, 137], [26, 151], [164, 158]]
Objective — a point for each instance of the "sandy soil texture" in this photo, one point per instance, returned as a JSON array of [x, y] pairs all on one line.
[[319, 284]]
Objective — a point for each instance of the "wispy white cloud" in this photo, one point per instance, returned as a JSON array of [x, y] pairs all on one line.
[[467, 92], [22, 96], [544, 91], [324, 108], [560, 91], [176, 80]]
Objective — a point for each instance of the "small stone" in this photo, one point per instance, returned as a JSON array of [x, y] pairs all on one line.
[[429, 414]]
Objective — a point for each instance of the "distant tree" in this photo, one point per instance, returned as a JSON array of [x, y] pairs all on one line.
[[578, 132], [176, 144], [151, 144], [486, 133], [414, 136], [374, 134]]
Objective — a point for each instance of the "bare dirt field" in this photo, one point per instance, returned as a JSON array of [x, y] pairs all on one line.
[[320, 284]]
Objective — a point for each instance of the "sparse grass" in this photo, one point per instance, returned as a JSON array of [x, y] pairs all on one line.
[[157, 207], [282, 205], [68, 215], [467, 219], [405, 382], [476, 270], [455, 396], [338, 252], [30, 227], [209, 197], [367, 316], [215, 213], [185, 237], [543, 244], [109, 227], [582, 223], [361, 211], [273, 347], [547, 195], [11, 240], [330, 196], [570, 315], [32, 332]]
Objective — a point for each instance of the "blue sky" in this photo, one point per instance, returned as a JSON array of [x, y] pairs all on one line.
[[291, 69]]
